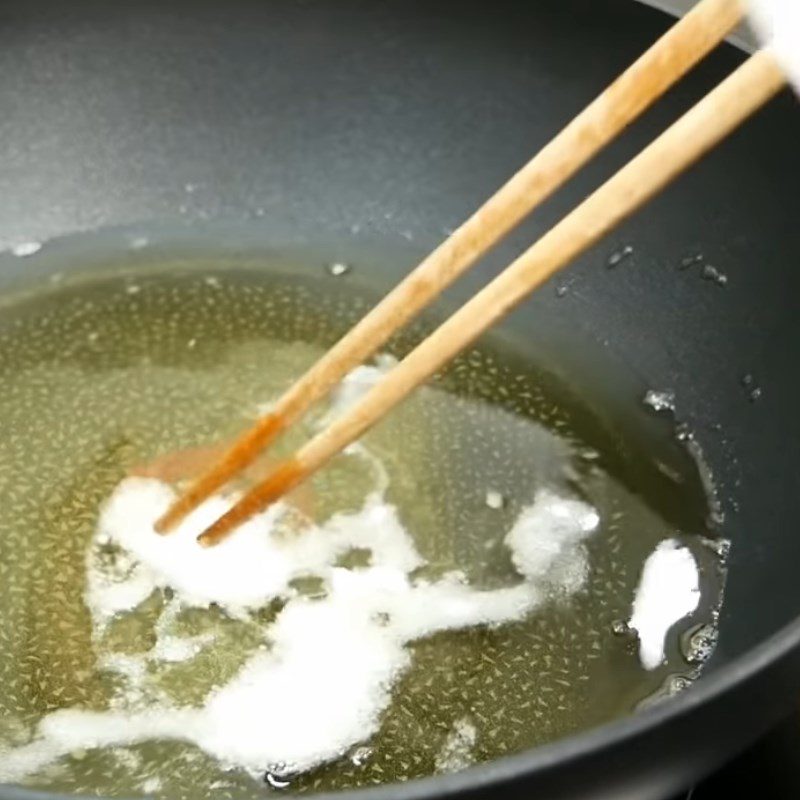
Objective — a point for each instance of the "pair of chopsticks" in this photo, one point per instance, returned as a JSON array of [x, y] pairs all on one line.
[[709, 121]]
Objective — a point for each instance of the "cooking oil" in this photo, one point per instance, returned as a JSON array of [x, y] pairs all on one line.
[[104, 374]]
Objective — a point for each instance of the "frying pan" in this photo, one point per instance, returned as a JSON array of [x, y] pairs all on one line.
[[314, 122]]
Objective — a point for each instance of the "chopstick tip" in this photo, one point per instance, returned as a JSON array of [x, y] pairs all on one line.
[[166, 522], [281, 480], [207, 539]]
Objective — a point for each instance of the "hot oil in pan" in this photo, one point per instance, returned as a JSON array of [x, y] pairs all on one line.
[[102, 375]]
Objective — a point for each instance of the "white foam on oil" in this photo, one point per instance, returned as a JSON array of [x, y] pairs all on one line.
[[24, 249], [349, 390], [669, 590], [327, 666], [242, 573], [356, 384], [456, 751], [151, 785], [545, 541], [494, 499]]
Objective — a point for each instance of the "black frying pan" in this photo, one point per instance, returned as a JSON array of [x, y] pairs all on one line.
[[315, 121]]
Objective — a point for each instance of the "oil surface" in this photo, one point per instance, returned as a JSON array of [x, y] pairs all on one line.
[[107, 374]]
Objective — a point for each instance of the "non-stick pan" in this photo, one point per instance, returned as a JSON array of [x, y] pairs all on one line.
[[389, 120]]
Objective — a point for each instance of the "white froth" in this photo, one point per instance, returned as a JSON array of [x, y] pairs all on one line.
[[325, 675], [669, 590], [176, 648], [357, 383], [545, 541], [456, 752], [24, 249], [451, 603], [494, 499], [350, 390], [242, 573], [318, 691], [151, 785]]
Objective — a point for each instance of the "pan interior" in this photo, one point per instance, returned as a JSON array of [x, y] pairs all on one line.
[[104, 373]]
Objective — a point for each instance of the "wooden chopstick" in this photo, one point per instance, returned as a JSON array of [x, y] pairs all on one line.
[[680, 48], [749, 87]]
